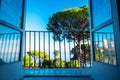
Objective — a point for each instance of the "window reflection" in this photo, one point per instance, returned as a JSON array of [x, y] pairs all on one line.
[[11, 12], [104, 48], [101, 13], [9, 45]]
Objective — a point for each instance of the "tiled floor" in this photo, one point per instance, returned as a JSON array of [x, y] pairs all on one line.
[[58, 78], [58, 74]]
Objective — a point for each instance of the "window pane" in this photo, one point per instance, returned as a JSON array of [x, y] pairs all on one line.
[[101, 11], [104, 48], [11, 12], [9, 45]]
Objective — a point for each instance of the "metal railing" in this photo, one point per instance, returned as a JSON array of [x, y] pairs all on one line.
[[42, 51], [9, 47], [104, 47]]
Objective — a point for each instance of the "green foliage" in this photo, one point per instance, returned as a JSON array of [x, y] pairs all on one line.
[[86, 49], [69, 23], [98, 55], [45, 63], [40, 54], [76, 52], [59, 63], [56, 53], [105, 55], [72, 24], [73, 64], [27, 61]]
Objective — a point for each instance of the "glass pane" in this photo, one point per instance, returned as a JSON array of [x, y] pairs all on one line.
[[11, 12], [9, 45], [101, 11], [104, 48]]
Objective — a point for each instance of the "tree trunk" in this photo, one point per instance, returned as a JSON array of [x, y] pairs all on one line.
[[79, 52]]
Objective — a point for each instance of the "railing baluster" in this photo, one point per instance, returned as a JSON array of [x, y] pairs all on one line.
[[7, 48], [103, 46], [81, 55], [16, 44], [88, 52], [108, 48], [39, 51], [54, 51], [69, 53], [65, 50], [44, 45], [29, 48], [73, 50], [49, 46], [84, 54], [12, 47], [60, 53], [46, 40], [98, 45], [111, 40], [24, 54], [4, 47], [34, 48], [107, 56]]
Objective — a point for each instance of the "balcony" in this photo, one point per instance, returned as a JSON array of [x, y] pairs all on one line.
[[45, 56], [41, 55]]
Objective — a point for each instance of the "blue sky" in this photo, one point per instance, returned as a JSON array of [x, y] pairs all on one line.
[[38, 11]]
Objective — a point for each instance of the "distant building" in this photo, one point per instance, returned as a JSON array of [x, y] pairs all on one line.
[[109, 43]]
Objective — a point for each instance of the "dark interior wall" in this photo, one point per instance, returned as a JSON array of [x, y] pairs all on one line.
[[12, 71], [102, 71], [118, 6]]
